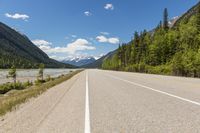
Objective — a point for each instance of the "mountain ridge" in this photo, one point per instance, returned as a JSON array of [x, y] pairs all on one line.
[[167, 50], [98, 63], [79, 61], [18, 50]]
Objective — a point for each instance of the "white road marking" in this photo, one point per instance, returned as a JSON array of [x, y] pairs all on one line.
[[162, 92], [87, 108]]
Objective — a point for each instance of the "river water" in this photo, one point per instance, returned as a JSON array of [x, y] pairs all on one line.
[[31, 74]]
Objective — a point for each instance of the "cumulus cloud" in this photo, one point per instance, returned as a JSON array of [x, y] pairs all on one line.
[[71, 48], [88, 13], [58, 58], [98, 56], [104, 33], [109, 7], [113, 40], [42, 44], [103, 39], [39, 42], [17, 16], [79, 45]]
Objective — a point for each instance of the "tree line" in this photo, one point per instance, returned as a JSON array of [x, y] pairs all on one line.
[[165, 50]]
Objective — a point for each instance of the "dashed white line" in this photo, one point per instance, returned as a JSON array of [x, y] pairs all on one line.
[[87, 108], [162, 92]]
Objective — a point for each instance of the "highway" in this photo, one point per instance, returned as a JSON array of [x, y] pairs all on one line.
[[97, 101]]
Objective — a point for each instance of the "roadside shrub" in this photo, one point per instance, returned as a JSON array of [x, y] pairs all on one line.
[[164, 69], [48, 78], [28, 83], [18, 86], [142, 67], [4, 88], [39, 82]]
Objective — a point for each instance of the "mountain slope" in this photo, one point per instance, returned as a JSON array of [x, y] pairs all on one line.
[[169, 50], [186, 16], [18, 50], [98, 63]]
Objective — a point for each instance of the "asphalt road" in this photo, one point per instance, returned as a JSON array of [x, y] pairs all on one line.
[[97, 101]]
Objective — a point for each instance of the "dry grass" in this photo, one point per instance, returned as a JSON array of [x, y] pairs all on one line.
[[10, 100]]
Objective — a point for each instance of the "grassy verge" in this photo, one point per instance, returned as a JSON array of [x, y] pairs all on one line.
[[14, 98], [11, 86]]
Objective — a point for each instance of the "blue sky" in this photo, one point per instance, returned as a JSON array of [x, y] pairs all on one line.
[[69, 28]]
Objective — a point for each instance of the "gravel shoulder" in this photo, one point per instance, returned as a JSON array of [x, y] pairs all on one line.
[[44, 113]]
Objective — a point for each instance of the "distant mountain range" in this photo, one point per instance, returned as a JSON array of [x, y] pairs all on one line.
[[16, 49], [79, 61], [98, 63], [88, 61]]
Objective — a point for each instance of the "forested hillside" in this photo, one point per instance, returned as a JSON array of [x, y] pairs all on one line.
[[171, 51], [18, 50]]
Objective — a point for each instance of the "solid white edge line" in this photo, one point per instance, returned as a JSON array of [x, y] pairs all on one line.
[[162, 92], [87, 108]]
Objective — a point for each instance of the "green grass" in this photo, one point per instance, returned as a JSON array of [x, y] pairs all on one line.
[[4, 88], [14, 98]]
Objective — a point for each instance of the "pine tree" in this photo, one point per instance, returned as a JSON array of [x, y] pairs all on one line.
[[165, 20], [160, 24], [136, 39], [198, 19], [12, 74], [119, 52], [41, 72]]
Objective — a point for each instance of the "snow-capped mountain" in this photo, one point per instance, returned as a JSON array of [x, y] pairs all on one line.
[[80, 61], [173, 21]]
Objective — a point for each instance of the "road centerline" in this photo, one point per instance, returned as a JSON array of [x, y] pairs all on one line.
[[158, 91], [87, 108]]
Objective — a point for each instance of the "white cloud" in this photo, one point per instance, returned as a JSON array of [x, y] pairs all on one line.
[[71, 48], [99, 56], [88, 13], [104, 33], [79, 45], [74, 36], [103, 39], [109, 7], [58, 58], [113, 40], [17, 16], [39, 42]]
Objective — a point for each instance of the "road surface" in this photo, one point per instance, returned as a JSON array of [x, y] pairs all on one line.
[[97, 101]]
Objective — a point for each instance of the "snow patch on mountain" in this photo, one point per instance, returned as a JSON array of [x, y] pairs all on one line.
[[81, 60]]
